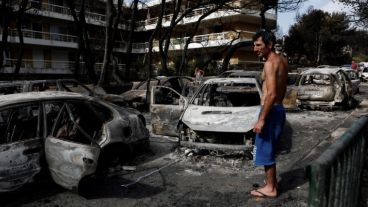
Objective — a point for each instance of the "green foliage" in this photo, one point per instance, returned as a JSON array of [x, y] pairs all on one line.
[[319, 38], [360, 10]]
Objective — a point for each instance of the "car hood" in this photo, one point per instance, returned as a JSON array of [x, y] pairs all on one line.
[[221, 119]]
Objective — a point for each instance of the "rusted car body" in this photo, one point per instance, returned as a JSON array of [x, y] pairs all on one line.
[[77, 136], [136, 98], [324, 88], [220, 115], [70, 85]]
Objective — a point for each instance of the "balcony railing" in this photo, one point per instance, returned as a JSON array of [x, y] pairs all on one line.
[[43, 35], [65, 10], [101, 18], [207, 40], [40, 64], [197, 13], [51, 65]]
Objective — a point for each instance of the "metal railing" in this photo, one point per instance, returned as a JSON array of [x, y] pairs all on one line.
[[52, 64], [228, 36], [334, 178], [40, 64], [43, 35], [42, 6]]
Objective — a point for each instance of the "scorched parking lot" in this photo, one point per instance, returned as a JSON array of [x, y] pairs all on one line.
[[178, 176]]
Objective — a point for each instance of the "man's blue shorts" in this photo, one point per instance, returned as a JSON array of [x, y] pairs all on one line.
[[267, 140]]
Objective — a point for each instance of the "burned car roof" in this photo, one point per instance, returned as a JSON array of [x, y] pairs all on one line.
[[230, 80], [321, 70], [33, 96]]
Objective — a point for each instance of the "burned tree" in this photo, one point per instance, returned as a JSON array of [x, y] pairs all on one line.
[[20, 13], [112, 22], [281, 6], [84, 49], [6, 18]]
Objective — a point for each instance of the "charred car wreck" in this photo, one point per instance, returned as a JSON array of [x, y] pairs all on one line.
[[76, 135], [220, 115], [324, 88], [136, 98]]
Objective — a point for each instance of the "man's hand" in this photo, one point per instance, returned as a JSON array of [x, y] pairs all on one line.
[[258, 127]]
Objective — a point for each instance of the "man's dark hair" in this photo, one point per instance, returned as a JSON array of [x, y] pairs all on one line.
[[267, 36]]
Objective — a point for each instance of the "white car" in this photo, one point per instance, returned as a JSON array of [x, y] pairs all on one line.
[[364, 75], [220, 115]]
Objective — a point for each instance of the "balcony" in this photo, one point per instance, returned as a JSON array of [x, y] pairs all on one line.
[[199, 41], [62, 12], [30, 66], [43, 38], [193, 17]]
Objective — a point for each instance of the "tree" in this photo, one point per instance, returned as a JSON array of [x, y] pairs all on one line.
[[130, 39], [319, 37], [111, 27], [6, 19], [84, 49], [281, 6], [360, 11], [19, 16]]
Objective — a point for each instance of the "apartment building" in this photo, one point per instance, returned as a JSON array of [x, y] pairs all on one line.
[[51, 44]]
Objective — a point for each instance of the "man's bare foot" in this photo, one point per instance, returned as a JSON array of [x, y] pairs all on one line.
[[264, 192]]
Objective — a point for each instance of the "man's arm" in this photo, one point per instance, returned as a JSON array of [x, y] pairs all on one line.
[[269, 97]]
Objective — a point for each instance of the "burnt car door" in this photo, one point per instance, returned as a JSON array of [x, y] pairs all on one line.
[[347, 83], [71, 149], [167, 106], [20, 145]]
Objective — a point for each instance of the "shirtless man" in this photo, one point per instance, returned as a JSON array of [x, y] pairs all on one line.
[[272, 116]]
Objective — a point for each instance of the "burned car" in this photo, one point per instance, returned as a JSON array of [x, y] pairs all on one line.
[[70, 135], [324, 88], [136, 98], [220, 115], [70, 85]]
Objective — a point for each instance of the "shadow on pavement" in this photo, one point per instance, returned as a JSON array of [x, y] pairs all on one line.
[[110, 187], [285, 143], [292, 179]]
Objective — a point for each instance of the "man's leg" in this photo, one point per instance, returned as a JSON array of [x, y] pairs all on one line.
[[270, 189], [271, 180]]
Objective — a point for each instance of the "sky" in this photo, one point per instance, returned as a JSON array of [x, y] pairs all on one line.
[[285, 20]]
